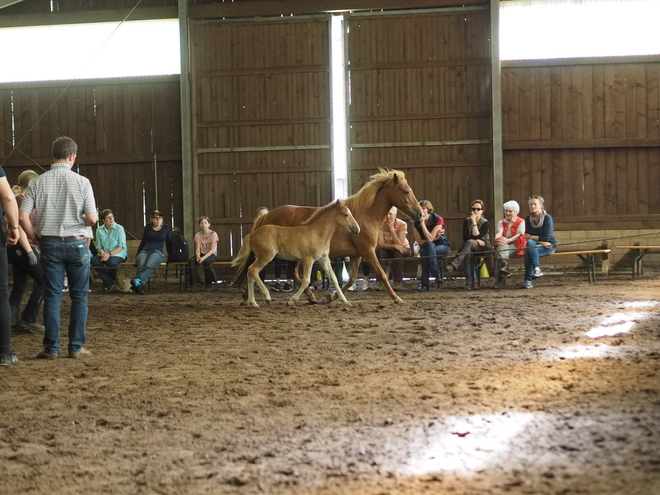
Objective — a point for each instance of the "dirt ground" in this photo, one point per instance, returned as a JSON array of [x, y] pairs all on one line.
[[483, 392]]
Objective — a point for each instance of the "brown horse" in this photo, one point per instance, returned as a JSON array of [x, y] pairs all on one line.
[[307, 242], [369, 206]]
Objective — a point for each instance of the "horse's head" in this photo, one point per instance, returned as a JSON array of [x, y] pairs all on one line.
[[402, 196], [346, 218]]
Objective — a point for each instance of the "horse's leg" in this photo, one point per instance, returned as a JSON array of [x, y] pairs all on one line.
[[255, 268], [353, 267], [325, 264], [307, 271], [370, 257], [250, 290], [292, 272]]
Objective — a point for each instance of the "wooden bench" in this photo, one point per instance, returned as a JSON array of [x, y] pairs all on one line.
[[638, 253], [587, 256]]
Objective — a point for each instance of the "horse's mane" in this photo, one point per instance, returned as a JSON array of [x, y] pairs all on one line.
[[321, 211], [365, 197]]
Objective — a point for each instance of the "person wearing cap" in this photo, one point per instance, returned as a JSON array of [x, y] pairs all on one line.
[[150, 254], [65, 206], [393, 244], [509, 237], [24, 258], [111, 249]]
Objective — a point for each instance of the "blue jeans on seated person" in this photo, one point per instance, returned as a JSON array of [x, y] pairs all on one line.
[[533, 252], [70, 257], [146, 261], [107, 270], [429, 253]]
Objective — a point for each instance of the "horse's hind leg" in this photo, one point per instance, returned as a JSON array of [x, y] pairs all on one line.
[[250, 291], [325, 264], [307, 270]]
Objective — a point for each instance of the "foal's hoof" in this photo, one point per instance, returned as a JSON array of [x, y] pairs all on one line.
[[254, 305], [398, 300], [290, 302], [268, 301]]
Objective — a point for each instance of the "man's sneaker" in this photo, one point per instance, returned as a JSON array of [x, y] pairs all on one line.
[[46, 355], [65, 288], [352, 287], [450, 268], [8, 360], [32, 326], [286, 287], [537, 273], [82, 352], [109, 287], [527, 284], [277, 287]]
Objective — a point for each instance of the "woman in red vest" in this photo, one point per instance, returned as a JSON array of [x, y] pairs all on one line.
[[509, 239]]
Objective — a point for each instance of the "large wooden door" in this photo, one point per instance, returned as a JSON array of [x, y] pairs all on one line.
[[420, 101], [261, 119]]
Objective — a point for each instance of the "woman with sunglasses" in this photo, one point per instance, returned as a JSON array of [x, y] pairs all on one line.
[[476, 239], [540, 235]]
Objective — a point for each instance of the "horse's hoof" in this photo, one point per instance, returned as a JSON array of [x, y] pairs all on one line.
[[312, 300], [268, 301], [290, 303], [398, 300], [348, 305], [254, 305]]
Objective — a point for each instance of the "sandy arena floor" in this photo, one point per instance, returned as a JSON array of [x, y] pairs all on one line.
[[484, 392]]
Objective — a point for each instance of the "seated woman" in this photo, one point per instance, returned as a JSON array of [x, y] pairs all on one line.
[[509, 237], [430, 235], [476, 239], [540, 235], [206, 252], [393, 244], [150, 251], [111, 249]]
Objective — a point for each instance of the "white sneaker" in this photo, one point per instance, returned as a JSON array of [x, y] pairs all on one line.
[[537, 273]]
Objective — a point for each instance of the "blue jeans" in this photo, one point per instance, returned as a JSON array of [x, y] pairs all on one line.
[[146, 261], [532, 254], [107, 270], [5, 314], [429, 253], [68, 257]]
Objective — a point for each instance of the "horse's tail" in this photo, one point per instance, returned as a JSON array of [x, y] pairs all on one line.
[[257, 222], [243, 260]]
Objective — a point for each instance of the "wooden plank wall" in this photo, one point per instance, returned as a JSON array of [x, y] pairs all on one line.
[[420, 91], [128, 134], [261, 120], [587, 138]]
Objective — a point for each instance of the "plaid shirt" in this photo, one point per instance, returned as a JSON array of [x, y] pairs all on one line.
[[61, 199]]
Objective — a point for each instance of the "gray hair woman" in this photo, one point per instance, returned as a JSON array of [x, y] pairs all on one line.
[[509, 237]]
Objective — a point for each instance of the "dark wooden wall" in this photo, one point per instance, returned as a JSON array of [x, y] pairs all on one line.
[[128, 135], [585, 136], [420, 92], [261, 120]]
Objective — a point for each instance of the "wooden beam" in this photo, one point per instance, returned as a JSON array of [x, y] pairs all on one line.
[[87, 16], [7, 3], [581, 144], [496, 106], [300, 7]]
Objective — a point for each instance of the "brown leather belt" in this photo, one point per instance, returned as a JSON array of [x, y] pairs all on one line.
[[77, 237]]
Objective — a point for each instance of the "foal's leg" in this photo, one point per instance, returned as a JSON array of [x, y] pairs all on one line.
[[307, 270], [258, 265], [325, 264], [353, 267], [250, 291], [292, 272]]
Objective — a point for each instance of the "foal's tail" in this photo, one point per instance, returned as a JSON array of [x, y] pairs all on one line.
[[243, 260]]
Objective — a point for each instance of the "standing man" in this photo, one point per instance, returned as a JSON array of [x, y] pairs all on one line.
[[65, 206]]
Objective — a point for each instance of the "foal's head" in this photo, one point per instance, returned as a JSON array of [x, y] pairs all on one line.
[[346, 219]]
